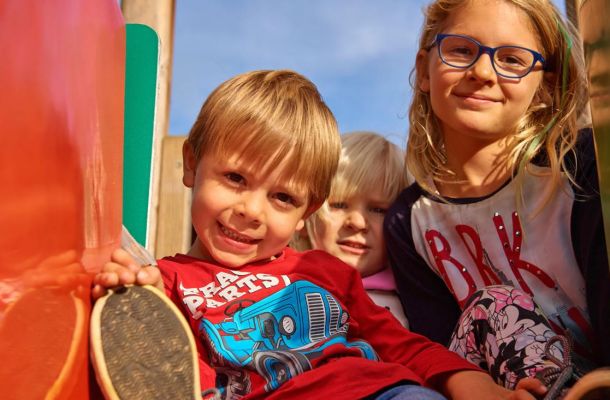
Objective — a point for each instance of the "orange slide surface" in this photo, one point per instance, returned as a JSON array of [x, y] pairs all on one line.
[[61, 162]]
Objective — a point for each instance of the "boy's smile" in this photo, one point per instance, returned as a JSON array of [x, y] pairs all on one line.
[[240, 215]]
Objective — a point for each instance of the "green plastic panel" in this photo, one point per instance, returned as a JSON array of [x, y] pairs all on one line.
[[142, 60]]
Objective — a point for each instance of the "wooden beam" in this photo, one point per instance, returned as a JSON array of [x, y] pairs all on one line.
[[174, 224], [159, 15]]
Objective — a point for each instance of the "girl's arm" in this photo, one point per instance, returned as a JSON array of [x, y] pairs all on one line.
[[589, 242], [431, 309]]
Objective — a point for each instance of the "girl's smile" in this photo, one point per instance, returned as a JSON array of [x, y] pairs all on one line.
[[475, 102]]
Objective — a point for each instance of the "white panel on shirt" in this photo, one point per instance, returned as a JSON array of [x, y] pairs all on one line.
[[467, 239]]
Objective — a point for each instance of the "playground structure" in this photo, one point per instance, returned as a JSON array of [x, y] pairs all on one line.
[[78, 87]]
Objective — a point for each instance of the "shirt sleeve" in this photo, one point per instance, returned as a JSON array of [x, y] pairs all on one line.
[[394, 343], [589, 241], [430, 307]]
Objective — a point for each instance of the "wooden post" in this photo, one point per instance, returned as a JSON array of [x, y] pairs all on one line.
[[159, 15], [174, 225]]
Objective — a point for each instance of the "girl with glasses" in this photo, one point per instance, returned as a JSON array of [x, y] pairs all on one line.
[[499, 245]]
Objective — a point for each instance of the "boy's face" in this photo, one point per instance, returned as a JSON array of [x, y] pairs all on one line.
[[352, 231], [240, 215]]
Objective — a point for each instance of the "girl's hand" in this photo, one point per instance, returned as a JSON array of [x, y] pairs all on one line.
[[123, 270]]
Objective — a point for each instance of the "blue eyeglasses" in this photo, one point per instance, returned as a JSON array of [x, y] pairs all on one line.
[[461, 51]]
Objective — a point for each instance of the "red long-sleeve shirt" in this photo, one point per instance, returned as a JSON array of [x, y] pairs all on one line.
[[299, 325]]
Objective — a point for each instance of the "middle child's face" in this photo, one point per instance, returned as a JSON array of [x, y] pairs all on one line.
[[352, 230], [241, 215]]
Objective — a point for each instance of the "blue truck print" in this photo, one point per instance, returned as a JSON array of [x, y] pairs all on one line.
[[279, 335]]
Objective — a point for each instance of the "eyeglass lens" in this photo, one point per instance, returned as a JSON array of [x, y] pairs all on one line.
[[461, 52]]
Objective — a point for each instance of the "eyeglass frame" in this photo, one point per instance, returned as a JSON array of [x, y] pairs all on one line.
[[488, 50]]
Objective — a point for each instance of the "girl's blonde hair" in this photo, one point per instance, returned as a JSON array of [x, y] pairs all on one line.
[[549, 124], [267, 116], [368, 162]]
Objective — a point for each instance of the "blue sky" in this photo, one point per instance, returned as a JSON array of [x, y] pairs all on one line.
[[358, 52]]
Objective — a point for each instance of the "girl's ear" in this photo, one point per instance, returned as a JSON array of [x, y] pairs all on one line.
[[421, 71], [543, 96], [189, 165]]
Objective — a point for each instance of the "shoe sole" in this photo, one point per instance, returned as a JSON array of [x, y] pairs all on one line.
[[142, 347], [595, 385]]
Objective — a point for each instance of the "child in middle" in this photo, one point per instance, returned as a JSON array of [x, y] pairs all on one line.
[[349, 225]]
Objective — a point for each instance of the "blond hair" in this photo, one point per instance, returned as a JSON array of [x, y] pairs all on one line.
[[368, 162], [549, 124], [268, 117]]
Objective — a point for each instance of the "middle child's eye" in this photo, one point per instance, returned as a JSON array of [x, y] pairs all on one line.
[[339, 205]]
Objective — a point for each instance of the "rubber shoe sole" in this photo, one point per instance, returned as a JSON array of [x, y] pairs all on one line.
[[142, 347]]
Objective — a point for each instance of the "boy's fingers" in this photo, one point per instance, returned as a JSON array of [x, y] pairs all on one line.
[[120, 256], [126, 275], [98, 291], [148, 275], [532, 385]]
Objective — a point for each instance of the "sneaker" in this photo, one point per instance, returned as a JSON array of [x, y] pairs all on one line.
[[142, 347]]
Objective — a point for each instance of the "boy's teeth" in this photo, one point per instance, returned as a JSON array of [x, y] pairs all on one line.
[[236, 236]]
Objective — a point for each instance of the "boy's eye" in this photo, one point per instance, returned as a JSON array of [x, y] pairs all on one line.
[[285, 198], [234, 177], [338, 205]]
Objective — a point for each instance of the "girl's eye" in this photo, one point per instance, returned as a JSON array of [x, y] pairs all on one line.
[[378, 210], [338, 205], [460, 51], [235, 177], [512, 60]]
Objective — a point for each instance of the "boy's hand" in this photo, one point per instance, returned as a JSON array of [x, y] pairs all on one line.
[[462, 385], [123, 270], [532, 385]]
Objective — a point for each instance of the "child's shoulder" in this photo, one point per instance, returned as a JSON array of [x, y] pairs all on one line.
[[317, 259]]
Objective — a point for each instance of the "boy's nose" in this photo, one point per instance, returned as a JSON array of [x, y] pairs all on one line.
[[355, 220], [251, 207]]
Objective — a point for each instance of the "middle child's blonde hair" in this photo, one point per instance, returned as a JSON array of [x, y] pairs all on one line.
[[368, 162]]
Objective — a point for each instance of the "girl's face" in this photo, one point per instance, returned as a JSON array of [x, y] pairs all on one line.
[[353, 232], [474, 105]]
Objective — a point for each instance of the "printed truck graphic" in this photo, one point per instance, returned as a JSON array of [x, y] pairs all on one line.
[[281, 334]]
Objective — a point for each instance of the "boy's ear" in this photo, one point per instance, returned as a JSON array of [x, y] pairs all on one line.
[[189, 165], [421, 71]]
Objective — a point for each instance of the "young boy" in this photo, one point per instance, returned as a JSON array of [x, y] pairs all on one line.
[[270, 322]]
